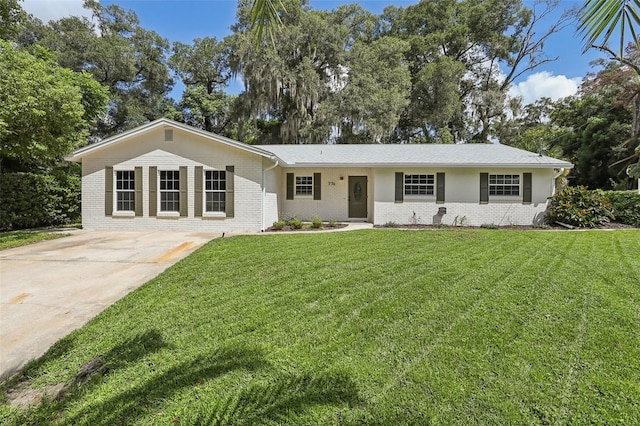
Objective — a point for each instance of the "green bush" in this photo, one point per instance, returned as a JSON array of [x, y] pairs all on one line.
[[295, 223], [316, 222], [279, 225], [332, 223], [30, 200], [580, 207], [625, 206]]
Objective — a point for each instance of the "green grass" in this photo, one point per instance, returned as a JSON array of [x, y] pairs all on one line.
[[22, 238], [373, 327]]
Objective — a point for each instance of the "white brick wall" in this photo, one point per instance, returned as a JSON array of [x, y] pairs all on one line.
[[185, 150], [334, 204], [462, 199]]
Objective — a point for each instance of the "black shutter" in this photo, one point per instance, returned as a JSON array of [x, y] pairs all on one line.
[[439, 187], [289, 186], [137, 186], [197, 191], [229, 202], [153, 191], [317, 186], [484, 188], [399, 187], [526, 188], [184, 206], [108, 191]]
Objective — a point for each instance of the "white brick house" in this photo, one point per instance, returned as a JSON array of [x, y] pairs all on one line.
[[167, 175]]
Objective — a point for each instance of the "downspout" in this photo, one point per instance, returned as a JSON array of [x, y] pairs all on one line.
[[264, 187]]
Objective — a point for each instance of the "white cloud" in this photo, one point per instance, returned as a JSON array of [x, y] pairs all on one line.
[[544, 84], [52, 10]]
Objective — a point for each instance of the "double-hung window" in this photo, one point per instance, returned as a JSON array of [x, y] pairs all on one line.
[[419, 184], [169, 191], [215, 185], [304, 185], [125, 190], [508, 185]]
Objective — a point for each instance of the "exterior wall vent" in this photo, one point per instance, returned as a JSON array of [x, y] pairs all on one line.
[[168, 135]]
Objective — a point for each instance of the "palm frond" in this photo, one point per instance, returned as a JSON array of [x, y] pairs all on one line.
[[599, 19]]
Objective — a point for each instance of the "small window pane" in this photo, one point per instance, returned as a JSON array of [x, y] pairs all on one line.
[[125, 190], [169, 190], [304, 185], [507, 185], [419, 184], [215, 187]]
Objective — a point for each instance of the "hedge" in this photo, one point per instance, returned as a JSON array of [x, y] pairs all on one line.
[[32, 200], [625, 206]]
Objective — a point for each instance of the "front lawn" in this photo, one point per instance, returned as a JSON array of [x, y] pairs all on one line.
[[380, 327], [21, 238]]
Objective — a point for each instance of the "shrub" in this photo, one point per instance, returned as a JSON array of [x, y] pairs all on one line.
[[295, 223], [390, 224], [489, 226], [279, 225], [332, 223], [316, 222], [625, 206], [31, 200], [580, 207]]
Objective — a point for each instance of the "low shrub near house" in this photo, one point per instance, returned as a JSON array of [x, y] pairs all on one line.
[[625, 206], [295, 223], [279, 225], [316, 222], [578, 206], [31, 200]]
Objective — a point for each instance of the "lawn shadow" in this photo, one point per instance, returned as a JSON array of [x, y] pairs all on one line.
[[20, 392], [278, 399], [127, 406]]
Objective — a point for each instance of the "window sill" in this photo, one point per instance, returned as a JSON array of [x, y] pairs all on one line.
[[211, 215], [505, 199], [125, 213], [168, 215]]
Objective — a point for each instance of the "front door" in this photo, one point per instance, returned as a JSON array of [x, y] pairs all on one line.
[[358, 196]]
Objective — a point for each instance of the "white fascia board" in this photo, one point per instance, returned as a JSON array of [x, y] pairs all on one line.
[[433, 165]]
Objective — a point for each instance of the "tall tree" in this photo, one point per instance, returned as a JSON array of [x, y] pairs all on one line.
[[469, 52], [594, 126], [203, 67], [45, 110], [121, 55], [11, 18]]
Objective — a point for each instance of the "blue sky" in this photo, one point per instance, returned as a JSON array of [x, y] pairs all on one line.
[[184, 20]]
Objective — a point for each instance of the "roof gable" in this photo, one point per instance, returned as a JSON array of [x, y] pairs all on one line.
[[162, 123]]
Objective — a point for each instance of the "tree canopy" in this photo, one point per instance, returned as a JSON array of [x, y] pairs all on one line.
[[47, 110]]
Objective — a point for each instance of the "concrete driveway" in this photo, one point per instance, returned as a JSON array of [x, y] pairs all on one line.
[[51, 288]]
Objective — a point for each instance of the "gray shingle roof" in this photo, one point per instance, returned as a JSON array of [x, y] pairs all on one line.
[[433, 155]]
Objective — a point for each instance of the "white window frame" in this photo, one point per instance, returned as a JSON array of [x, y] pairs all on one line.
[[175, 192], [419, 185], [504, 185], [304, 186], [121, 182], [222, 182]]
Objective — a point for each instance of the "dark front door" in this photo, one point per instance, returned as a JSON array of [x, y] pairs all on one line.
[[358, 196]]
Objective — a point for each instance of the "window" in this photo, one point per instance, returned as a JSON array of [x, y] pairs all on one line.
[[504, 185], [304, 185], [125, 190], [418, 184], [215, 185], [169, 191]]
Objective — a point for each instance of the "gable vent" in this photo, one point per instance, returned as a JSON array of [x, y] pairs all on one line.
[[168, 135]]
